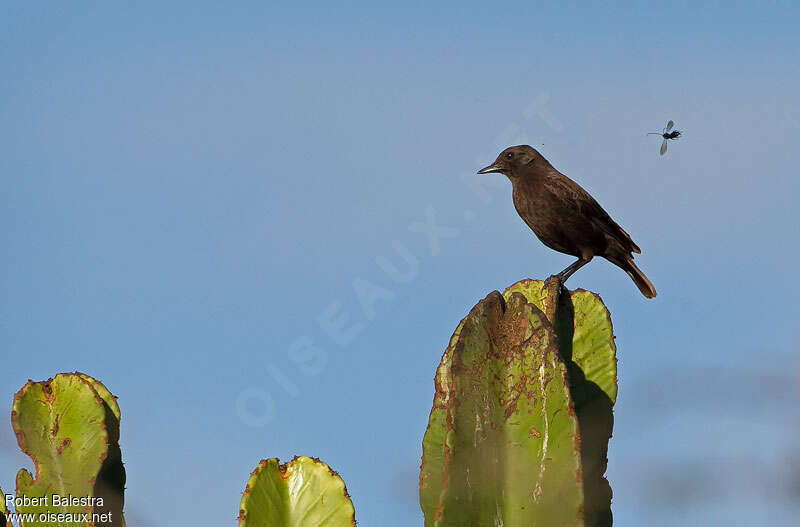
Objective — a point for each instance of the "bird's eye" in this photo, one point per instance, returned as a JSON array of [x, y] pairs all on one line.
[[509, 155]]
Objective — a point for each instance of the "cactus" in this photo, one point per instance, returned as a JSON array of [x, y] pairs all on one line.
[[586, 342], [110, 483], [502, 445], [3, 509], [303, 492], [583, 325], [518, 433], [69, 426], [521, 418]]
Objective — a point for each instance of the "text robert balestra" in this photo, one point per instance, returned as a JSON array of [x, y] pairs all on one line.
[[53, 500]]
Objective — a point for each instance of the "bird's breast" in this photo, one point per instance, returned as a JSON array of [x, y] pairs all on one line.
[[547, 218]]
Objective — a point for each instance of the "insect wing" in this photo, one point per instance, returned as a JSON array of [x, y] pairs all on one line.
[[663, 147], [670, 124]]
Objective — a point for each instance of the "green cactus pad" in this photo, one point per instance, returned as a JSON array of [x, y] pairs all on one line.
[[302, 493], [102, 391], [63, 425], [502, 444], [590, 333], [3, 509], [586, 342], [110, 482]]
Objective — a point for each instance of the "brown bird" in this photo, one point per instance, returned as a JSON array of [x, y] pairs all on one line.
[[564, 216]]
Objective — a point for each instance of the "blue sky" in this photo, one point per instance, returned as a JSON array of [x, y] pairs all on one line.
[[186, 190]]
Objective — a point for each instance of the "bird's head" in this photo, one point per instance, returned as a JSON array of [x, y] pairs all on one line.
[[512, 161]]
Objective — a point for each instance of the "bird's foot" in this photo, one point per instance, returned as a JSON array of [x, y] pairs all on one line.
[[554, 283]]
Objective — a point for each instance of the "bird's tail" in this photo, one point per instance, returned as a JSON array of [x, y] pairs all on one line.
[[636, 274]]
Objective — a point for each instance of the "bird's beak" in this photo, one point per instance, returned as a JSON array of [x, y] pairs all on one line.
[[490, 169]]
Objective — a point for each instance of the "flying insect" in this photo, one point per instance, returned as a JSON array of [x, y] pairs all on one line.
[[667, 134]]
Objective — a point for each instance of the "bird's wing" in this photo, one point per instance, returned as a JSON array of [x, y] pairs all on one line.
[[663, 147], [587, 207]]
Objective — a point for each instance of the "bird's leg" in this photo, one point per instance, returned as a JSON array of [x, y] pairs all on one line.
[[564, 275]]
